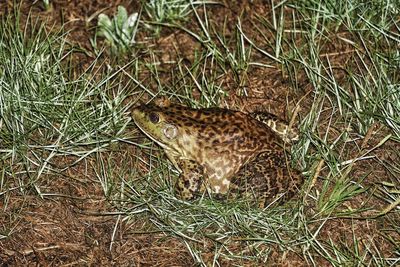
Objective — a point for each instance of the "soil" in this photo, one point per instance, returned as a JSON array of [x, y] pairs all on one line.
[[79, 226]]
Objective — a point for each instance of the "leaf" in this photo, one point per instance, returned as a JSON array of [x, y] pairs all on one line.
[[104, 21], [132, 20], [129, 28], [122, 16]]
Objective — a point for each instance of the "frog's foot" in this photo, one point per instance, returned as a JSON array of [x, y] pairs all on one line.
[[190, 182], [265, 178], [279, 126]]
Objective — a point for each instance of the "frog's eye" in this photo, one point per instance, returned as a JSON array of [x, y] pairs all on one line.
[[154, 118]]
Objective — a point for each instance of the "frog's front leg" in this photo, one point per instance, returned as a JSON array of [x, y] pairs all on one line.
[[191, 180]]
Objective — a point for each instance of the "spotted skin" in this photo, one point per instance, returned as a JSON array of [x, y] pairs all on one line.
[[278, 125], [190, 182], [266, 177], [219, 150]]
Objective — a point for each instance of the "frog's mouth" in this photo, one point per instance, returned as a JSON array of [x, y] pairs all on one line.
[[146, 132]]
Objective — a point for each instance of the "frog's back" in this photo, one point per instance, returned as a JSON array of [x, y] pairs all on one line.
[[223, 127]]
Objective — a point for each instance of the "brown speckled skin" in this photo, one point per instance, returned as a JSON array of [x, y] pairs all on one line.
[[212, 147], [265, 177]]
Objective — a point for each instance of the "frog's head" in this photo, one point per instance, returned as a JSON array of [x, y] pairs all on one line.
[[159, 124]]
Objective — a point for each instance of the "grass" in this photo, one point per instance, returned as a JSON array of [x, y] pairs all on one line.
[[45, 115], [344, 52]]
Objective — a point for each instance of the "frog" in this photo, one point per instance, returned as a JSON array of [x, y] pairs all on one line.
[[223, 152]]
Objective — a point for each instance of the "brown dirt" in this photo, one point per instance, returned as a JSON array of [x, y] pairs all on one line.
[[76, 226]]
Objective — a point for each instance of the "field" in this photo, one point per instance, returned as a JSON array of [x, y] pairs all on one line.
[[81, 185]]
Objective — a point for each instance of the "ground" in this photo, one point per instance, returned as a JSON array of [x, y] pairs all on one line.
[[74, 222]]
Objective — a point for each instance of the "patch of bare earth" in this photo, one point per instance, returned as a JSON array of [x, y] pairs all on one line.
[[74, 224]]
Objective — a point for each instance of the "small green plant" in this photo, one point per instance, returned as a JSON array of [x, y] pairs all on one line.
[[119, 32], [46, 4], [167, 11]]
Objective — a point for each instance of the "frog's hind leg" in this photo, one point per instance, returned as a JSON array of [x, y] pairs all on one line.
[[279, 126], [266, 177], [191, 181]]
